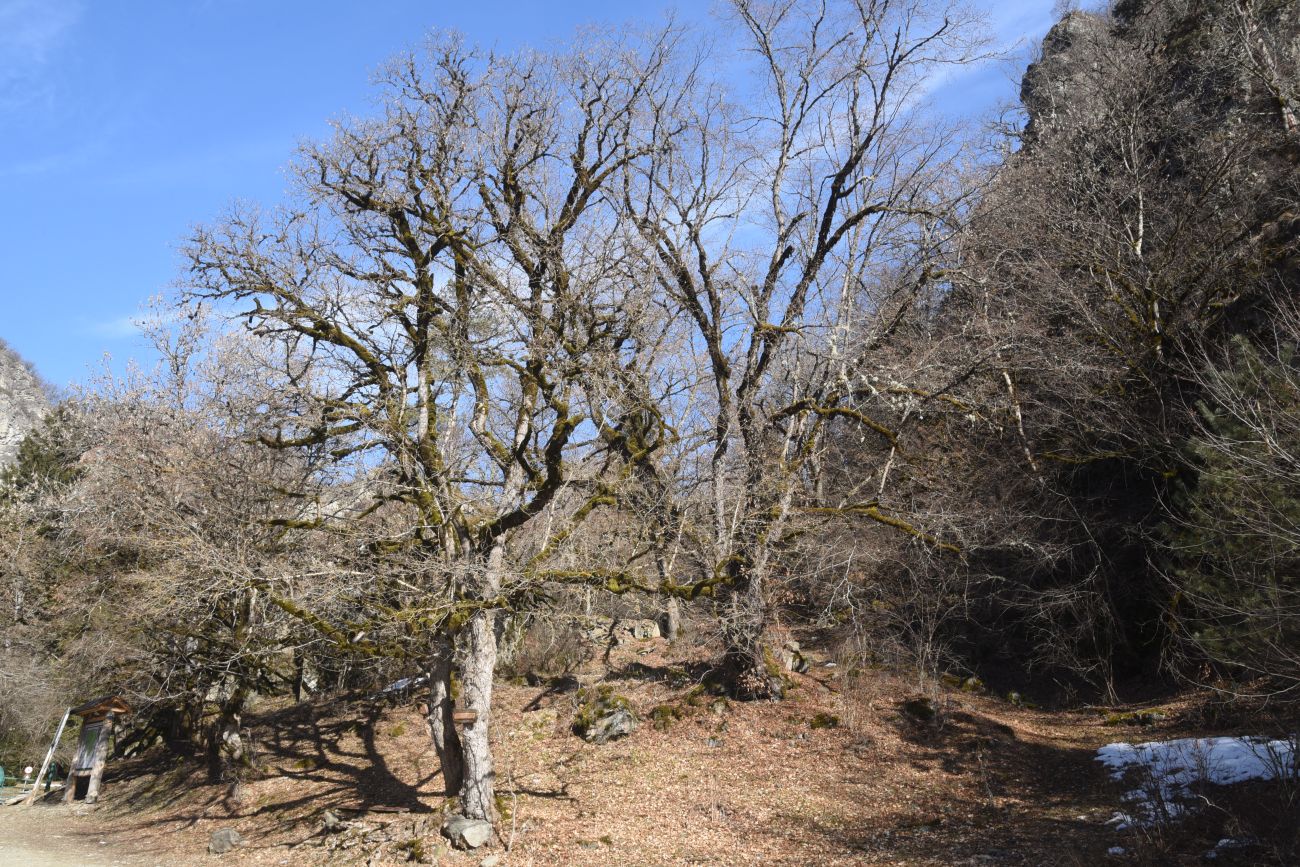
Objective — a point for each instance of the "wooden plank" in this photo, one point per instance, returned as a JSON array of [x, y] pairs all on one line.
[[87, 746], [103, 705], [49, 756], [101, 758]]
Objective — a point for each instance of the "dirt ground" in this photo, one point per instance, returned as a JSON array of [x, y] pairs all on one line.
[[844, 772], [50, 837]]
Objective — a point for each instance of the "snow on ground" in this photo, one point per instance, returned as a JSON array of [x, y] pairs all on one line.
[[1165, 771], [404, 683]]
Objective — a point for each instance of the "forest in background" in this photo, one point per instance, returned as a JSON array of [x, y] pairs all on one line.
[[595, 332]]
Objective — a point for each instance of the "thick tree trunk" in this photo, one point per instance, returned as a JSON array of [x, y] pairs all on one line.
[[478, 667], [749, 666], [478, 788], [672, 609], [441, 726], [228, 752], [672, 619]]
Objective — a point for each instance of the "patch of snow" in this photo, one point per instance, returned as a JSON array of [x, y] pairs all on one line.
[[404, 683], [1121, 821], [1166, 771], [1228, 844], [1116, 850]]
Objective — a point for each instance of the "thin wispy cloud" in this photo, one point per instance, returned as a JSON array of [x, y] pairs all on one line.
[[1012, 29], [57, 162], [148, 320], [117, 329], [152, 317], [31, 31]]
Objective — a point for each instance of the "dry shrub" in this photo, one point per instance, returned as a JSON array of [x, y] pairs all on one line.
[[549, 647]]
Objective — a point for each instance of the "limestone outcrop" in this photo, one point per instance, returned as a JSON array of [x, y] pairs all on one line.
[[24, 401]]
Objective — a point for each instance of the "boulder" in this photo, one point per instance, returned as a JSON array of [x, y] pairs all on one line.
[[644, 629], [921, 708], [467, 833], [223, 840], [793, 659], [616, 724], [603, 715]]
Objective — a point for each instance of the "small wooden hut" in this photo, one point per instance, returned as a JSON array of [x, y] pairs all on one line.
[[98, 719]]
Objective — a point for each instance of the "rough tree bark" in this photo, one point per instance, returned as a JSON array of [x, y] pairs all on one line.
[[442, 728]]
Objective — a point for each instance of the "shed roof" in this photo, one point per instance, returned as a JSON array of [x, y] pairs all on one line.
[[104, 705]]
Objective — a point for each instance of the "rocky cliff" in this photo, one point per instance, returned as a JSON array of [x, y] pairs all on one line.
[[24, 401], [1067, 74]]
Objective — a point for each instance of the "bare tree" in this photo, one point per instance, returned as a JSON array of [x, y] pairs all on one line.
[[777, 226], [190, 516], [450, 295]]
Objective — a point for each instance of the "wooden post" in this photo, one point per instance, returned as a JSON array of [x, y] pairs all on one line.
[[49, 757], [101, 758], [98, 720]]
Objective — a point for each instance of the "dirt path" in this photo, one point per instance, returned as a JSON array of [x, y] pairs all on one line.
[[37, 837]]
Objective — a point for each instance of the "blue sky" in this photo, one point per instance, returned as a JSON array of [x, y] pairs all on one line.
[[123, 123]]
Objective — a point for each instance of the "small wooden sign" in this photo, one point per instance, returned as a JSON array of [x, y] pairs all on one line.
[[88, 747], [98, 719], [464, 717]]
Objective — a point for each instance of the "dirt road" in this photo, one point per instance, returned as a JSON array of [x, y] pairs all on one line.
[[33, 837]]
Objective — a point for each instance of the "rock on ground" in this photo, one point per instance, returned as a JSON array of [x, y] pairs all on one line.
[[223, 840], [467, 833], [616, 724]]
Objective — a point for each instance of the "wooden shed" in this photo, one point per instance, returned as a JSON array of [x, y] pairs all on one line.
[[98, 720]]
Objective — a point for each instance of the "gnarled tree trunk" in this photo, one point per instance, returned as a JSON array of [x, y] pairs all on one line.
[[478, 667], [442, 728], [227, 750], [748, 664]]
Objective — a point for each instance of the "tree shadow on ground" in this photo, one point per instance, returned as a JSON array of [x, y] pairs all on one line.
[[336, 758], [357, 776], [1025, 801], [677, 676]]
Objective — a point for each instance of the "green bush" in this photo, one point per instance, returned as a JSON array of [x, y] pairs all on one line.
[[1233, 537]]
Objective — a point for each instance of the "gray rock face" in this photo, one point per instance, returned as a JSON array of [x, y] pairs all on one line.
[[223, 840], [1066, 74], [23, 402], [601, 630], [467, 833], [615, 724]]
